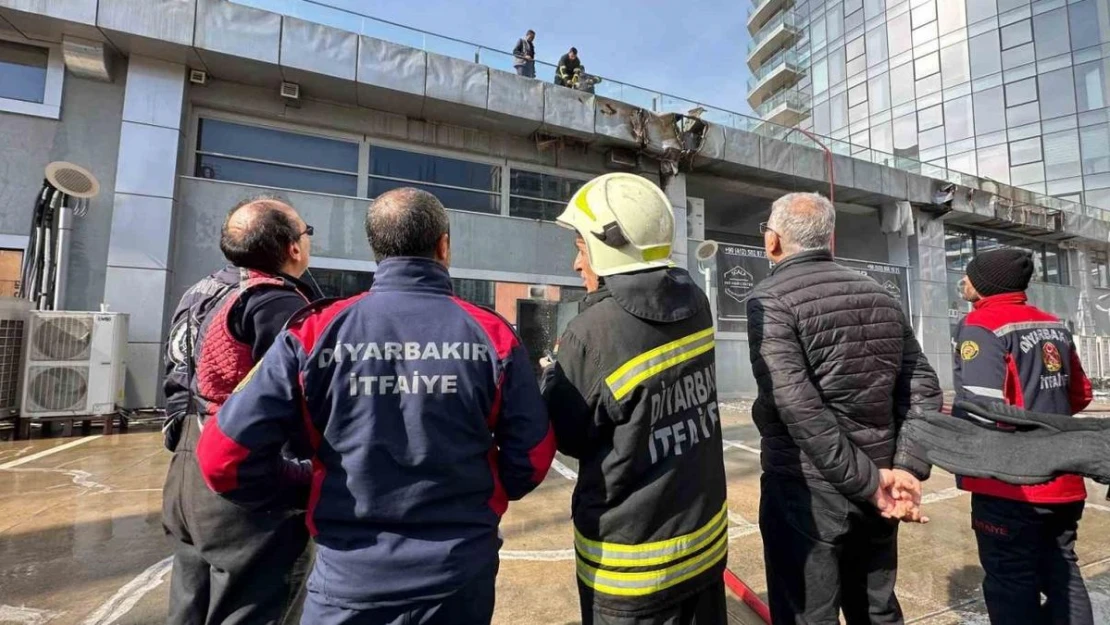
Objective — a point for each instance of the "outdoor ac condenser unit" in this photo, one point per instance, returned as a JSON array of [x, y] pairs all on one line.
[[75, 364], [14, 315]]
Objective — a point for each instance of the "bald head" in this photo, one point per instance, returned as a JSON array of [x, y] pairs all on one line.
[[803, 222], [261, 233], [407, 222]]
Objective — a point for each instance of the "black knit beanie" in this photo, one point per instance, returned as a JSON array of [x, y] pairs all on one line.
[[1001, 271]]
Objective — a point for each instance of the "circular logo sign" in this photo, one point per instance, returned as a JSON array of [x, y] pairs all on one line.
[[969, 350]]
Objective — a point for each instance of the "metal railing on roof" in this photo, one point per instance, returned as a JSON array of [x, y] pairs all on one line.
[[648, 99]]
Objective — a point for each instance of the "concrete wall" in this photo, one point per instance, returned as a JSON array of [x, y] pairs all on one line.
[[87, 135]]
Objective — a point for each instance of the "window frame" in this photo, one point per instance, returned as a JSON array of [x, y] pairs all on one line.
[[365, 175], [1033, 245], [51, 105]]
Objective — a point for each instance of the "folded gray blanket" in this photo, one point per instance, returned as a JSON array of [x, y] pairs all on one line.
[[1011, 444]]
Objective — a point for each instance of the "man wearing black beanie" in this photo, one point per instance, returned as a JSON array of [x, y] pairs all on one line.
[[1011, 351]]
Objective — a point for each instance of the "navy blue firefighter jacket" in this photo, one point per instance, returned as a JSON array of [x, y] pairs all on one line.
[[425, 419]]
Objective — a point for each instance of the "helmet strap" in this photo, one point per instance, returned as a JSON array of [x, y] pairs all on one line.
[[612, 235]]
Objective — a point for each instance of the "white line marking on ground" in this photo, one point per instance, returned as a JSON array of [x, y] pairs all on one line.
[[1098, 506], [564, 470], [80, 478], [26, 616], [47, 452], [741, 446], [943, 495], [130, 593]]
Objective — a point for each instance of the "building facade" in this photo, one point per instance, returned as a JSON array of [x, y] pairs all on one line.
[[181, 108], [1006, 90]]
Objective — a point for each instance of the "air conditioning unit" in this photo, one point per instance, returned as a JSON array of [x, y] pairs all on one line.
[[14, 314], [75, 364]]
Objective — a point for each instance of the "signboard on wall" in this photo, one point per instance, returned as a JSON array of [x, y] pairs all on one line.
[[741, 267]]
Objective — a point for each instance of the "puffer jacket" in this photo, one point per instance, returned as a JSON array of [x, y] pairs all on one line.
[[838, 369]]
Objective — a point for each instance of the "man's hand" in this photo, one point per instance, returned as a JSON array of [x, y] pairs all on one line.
[[898, 496]]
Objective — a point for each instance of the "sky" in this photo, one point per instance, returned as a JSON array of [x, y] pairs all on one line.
[[694, 49]]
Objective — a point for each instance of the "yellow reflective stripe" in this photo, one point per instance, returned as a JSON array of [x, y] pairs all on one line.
[[645, 583], [649, 554], [663, 366], [624, 369], [659, 252], [580, 201]]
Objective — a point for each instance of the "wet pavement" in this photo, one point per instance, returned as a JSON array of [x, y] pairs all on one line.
[[81, 540]]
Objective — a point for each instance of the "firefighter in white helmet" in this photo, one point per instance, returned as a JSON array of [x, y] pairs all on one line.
[[633, 396]]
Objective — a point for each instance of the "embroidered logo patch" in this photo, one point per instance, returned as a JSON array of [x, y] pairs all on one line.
[[969, 350], [1051, 356]]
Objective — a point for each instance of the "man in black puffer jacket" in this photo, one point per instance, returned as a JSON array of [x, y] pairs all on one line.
[[838, 369]]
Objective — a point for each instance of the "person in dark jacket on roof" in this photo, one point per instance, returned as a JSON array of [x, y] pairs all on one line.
[[838, 369], [424, 419], [1010, 351], [633, 396], [524, 55], [568, 64], [232, 565]]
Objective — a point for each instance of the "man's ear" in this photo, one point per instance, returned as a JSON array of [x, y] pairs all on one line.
[[443, 250]]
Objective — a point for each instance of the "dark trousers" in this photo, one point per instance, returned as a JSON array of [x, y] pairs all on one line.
[[1028, 550], [527, 69], [230, 566], [705, 607], [470, 605], [825, 553]]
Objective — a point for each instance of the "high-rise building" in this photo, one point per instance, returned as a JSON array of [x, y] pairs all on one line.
[[1012, 90]]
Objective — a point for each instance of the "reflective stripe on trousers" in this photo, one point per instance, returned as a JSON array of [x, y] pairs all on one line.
[[708, 546]]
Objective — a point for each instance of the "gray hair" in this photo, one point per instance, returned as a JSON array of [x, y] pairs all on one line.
[[805, 221]]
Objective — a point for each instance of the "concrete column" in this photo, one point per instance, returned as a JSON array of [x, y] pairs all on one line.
[[929, 294], [676, 193], [138, 275]]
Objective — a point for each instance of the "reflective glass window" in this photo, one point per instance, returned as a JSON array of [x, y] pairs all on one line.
[[23, 71], [835, 20], [1087, 27], [821, 124], [927, 65], [924, 14], [878, 92], [958, 249], [1025, 151], [1021, 115], [954, 65], [978, 10], [876, 46], [901, 84], [950, 16], [1061, 155], [817, 33], [898, 34], [836, 67], [905, 135], [821, 76], [275, 158], [1051, 33], [856, 65], [930, 118], [882, 138], [857, 95], [1017, 57], [994, 163], [1090, 85], [1098, 263], [1057, 93], [1094, 141], [535, 195], [838, 110], [342, 282], [986, 57], [1017, 34], [958, 121], [855, 48], [1021, 92], [990, 113]]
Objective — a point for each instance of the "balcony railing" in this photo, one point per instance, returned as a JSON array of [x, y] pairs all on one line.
[[794, 99], [648, 99], [786, 18], [786, 56], [759, 8]]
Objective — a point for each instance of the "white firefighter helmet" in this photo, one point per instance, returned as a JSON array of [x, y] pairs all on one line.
[[626, 221]]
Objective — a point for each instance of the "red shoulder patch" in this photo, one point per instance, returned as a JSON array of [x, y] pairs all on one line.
[[308, 325], [499, 330]]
